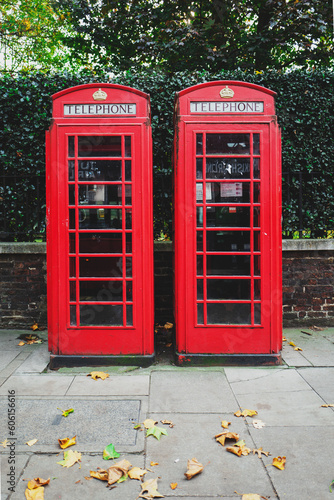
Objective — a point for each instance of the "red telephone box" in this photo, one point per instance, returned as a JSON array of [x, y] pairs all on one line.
[[100, 237], [227, 225]]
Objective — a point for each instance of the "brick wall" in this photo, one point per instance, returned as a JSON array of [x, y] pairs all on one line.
[[308, 283]]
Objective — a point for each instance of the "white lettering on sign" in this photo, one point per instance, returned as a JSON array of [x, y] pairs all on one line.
[[231, 190], [99, 109], [227, 107]]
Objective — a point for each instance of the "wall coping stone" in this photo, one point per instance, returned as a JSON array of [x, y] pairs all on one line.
[[307, 245]]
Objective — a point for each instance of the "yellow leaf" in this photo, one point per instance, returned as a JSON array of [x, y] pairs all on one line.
[[239, 449], [151, 488], [173, 486], [292, 343], [149, 422], [279, 462], [284, 339], [66, 442], [298, 349], [34, 327], [245, 413], [234, 449], [31, 442], [65, 413], [251, 496], [21, 343], [70, 458], [193, 468], [327, 406], [36, 494], [37, 482], [117, 471], [225, 424], [168, 325], [100, 474], [226, 435], [96, 375], [5, 443], [153, 464], [137, 473]]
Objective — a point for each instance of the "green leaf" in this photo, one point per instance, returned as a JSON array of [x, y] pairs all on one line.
[[65, 413], [109, 452], [123, 478], [156, 432], [330, 486]]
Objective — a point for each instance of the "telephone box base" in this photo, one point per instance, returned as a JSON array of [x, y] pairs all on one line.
[[61, 361], [227, 359]]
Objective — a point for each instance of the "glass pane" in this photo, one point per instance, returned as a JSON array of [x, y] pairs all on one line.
[[97, 194], [72, 242], [100, 267], [127, 141], [98, 314], [200, 265], [100, 170], [72, 219], [128, 264], [256, 168], [257, 289], [129, 291], [257, 241], [100, 242], [73, 293], [199, 289], [128, 170], [228, 289], [257, 265], [228, 265], [256, 218], [228, 217], [71, 147], [228, 168], [228, 241], [71, 171], [128, 219], [256, 192], [199, 192], [199, 241], [73, 316], [128, 194], [200, 314], [229, 314], [257, 314], [129, 319], [199, 144], [217, 144], [199, 216], [128, 242], [199, 168], [228, 192], [71, 194], [72, 267], [99, 146], [100, 218], [101, 291], [256, 144]]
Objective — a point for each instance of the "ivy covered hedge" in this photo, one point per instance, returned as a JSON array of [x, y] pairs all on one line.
[[305, 109]]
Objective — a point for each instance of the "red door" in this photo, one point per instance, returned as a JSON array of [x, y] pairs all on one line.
[[101, 214]]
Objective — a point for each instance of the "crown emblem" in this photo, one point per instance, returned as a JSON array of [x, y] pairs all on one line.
[[100, 95], [226, 93]]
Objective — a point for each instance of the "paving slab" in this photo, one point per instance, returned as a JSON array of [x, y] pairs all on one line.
[[193, 437], [37, 385], [131, 385], [37, 361], [288, 408], [321, 380], [309, 470], [317, 348], [96, 423], [6, 357], [14, 364], [70, 483], [240, 373], [190, 392], [271, 381], [294, 358], [12, 464]]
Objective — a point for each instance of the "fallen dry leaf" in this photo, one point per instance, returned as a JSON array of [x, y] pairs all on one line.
[[149, 422], [298, 349], [31, 442], [70, 458], [66, 442], [34, 327], [239, 449], [292, 343], [117, 471], [96, 375], [260, 452], [327, 406], [149, 489], [245, 413], [36, 494], [193, 468], [168, 325], [251, 496], [137, 473], [37, 482], [316, 328], [153, 464], [173, 486], [234, 449], [284, 339], [167, 422], [258, 424], [279, 462], [5, 443], [220, 438], [100, 474], [21, 343], [225, 424]]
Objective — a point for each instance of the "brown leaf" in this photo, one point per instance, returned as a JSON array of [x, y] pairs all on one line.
[[225, 424], [221, 438], [239, 449], [167, 422], [260, 452], [118, 470], [37, 482], [279, 462], [36, 494], [96, 375], [137, 473], [149, 489], [251, 496], [327, 406], [234, 449], [193, 468], [66, 442], [100, 474]]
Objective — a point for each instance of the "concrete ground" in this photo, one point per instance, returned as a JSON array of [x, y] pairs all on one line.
[[287, 398]]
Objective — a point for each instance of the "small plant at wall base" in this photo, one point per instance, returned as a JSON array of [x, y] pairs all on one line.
[[305, 110]]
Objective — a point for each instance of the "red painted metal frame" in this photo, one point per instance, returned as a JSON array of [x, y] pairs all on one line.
[[64, 338], [239, 339]]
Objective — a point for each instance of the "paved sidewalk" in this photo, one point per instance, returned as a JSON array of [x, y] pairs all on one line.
[[288, 400]]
